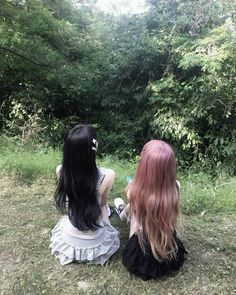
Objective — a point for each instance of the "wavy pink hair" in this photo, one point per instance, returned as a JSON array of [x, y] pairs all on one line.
[[154, 200]]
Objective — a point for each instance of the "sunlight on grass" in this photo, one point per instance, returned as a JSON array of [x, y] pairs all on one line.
[[200, 192], [27, 215], [28, 162]]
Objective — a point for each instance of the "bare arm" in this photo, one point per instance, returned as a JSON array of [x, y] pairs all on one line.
[[106, 185], [125, 214]]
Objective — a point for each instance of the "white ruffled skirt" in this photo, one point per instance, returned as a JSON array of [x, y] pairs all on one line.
[[94, 247]]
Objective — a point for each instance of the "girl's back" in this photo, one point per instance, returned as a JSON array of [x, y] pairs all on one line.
[[84, 233], [154, 248]]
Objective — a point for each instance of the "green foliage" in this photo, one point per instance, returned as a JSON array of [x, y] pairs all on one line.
[[47, 56], [25, 119], [167, 73], [200, 192], [196, 101]]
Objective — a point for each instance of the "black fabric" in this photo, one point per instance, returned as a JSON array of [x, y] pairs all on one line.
[[144, 265]]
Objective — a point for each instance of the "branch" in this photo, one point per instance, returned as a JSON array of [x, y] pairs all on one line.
[[24, 57], [172, 31]]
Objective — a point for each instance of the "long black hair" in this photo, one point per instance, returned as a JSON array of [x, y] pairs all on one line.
[[77, 190]]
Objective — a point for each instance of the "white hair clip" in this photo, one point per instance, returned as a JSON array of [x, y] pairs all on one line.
[[95, 143]]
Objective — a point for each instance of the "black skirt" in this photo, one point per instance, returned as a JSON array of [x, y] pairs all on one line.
[[144, 265]]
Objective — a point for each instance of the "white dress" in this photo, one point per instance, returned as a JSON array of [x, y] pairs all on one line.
[[92, 246]]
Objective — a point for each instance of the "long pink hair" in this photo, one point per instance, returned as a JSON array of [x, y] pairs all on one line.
[[153, 197]]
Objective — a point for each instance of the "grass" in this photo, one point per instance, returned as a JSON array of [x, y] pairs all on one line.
[[27, 162], [200, 193], [27, 214]]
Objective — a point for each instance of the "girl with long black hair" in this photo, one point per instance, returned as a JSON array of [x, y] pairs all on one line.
[[84, 233]]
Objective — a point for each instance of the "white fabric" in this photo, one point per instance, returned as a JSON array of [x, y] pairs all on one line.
[[94, 247]]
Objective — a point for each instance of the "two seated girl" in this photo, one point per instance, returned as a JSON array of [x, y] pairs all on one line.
[[85, 234]]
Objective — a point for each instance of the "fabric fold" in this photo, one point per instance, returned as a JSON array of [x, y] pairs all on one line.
[[96, 249]]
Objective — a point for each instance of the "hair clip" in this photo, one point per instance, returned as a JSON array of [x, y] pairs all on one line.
[[96, 144]]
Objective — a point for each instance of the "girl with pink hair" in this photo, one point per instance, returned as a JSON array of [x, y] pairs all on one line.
[[153, 249]]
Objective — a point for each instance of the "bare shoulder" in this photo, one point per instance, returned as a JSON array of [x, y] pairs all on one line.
[[108, 173]]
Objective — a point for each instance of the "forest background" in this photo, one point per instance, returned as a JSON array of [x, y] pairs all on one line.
[[167, 73]]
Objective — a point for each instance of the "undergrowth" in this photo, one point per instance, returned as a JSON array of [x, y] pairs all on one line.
[[200, 191]]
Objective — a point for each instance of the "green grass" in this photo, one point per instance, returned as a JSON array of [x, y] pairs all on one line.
[[27, 214], [27, 162], [201, 194]]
